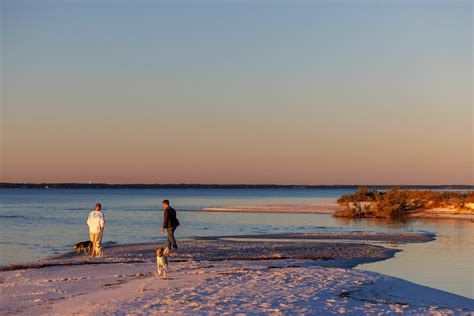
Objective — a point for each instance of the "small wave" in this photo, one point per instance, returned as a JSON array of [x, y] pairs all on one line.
[[12, 216]]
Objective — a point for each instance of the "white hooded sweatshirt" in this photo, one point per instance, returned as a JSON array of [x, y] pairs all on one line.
[[96, 222]]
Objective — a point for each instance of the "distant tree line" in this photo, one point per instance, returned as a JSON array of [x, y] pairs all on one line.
[[7, 185], [396, 203], [165, 186]]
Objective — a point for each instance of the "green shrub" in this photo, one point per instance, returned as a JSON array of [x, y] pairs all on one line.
[[396, 203]]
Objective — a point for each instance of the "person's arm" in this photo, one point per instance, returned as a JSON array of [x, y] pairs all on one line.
[[166, 215], [102, 222], [89, 220]]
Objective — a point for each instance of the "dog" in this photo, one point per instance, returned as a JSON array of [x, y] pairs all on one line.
[[161, 262], [85, 246]]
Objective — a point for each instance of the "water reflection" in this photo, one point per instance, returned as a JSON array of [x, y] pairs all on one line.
[[446, 263]]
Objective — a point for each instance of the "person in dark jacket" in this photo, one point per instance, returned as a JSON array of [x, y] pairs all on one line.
[[170, 222]]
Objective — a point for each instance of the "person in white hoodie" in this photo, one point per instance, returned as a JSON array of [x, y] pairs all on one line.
[[96, 223]]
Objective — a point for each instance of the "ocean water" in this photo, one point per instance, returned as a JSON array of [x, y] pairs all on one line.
[[37, 223]]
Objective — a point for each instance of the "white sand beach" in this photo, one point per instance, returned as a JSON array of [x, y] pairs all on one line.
[[215, 276], [332, 207], [315, 208]]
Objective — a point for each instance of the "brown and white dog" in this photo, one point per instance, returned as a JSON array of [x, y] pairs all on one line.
[[161, 261]]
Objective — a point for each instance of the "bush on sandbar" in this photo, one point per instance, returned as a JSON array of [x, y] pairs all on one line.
[[396, 203]]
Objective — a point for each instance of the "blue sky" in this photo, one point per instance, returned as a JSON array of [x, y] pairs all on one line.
[[237, 91]]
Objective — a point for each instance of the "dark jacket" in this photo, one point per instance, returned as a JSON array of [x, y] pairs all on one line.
[[169, 218]]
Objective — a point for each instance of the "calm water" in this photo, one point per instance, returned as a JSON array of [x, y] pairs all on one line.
[[38, 223]]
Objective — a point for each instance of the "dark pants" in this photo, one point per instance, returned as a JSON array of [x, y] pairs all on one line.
[[170, 239]]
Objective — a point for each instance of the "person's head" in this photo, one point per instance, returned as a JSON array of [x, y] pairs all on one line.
[[166, 203], [98, 207]]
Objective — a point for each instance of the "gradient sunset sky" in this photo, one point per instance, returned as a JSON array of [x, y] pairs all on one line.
[[284, 92]]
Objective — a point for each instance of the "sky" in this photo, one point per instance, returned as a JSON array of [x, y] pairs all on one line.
[[281, 92]]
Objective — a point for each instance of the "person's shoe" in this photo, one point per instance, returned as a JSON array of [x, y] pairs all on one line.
[[166, 251], [175, 251]]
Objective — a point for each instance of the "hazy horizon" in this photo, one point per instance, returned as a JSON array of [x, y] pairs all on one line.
[[240, 184], [301, 92]]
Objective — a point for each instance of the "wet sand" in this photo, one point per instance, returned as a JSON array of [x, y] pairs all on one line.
[[218, 276]]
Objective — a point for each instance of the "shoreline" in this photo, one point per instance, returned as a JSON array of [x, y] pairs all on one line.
[[70, 258], [259, 274], [319, 208], [197, 251], [331, 208]]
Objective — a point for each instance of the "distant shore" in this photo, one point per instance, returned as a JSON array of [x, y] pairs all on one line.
[[11, 185]]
